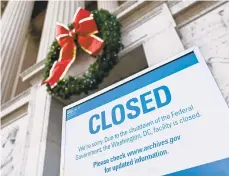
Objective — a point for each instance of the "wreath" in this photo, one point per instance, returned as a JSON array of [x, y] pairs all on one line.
[[109, 31]]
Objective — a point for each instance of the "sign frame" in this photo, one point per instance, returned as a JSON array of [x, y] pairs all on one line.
[[195, 50]]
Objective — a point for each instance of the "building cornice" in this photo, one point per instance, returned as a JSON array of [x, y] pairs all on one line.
[[16, 103]]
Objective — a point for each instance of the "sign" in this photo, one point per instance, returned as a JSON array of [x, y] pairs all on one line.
[[170, 119]]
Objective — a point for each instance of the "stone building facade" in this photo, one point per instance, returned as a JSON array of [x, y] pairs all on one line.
[[151, 32]]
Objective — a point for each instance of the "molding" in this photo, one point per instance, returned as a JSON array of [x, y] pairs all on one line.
[[123, 7], [131, 46], [128, 10], [177, 7], [33, 70], [13, 120], [15, 103], [172, 3], [217, 60], [202, 13]]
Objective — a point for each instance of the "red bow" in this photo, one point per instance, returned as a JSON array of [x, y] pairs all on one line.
[[84, 28]]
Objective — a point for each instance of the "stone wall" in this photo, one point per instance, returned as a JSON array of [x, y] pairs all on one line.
[[210, 33], [13, 147]]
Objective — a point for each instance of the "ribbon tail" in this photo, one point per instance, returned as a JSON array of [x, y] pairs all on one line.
[[44, 82], [59, 69]]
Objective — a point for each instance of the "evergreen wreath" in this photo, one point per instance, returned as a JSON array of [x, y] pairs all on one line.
[[109, 30]]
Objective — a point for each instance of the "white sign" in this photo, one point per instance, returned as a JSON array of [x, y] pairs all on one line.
[[170, 119]]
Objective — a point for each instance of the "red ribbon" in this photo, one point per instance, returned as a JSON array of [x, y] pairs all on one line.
[[84, 28]]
